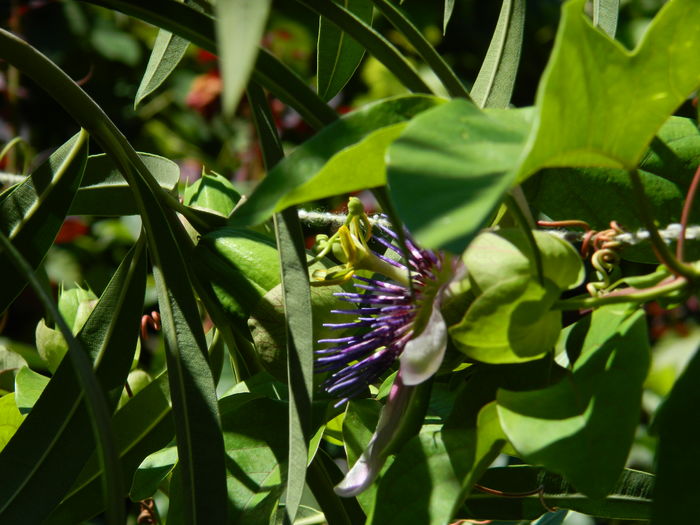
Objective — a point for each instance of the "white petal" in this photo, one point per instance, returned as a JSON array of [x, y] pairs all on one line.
[[422, 356]]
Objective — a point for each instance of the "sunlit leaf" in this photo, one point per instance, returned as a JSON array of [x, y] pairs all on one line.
[[167, 52]]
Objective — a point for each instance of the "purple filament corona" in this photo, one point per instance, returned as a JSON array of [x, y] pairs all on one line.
[[385, 314]]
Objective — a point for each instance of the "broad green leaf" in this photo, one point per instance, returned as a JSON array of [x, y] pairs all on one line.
[[151, 473], [142, 426], [605, 15], [10, 418], [255, 436], [32, 212], [600, 195], [239, 29], [450, 168], [491, 256], [449, 7], [28, 388], [57, 437], [435, 470], [338, 55], [558, 425], [493, 86], [676, 453], [510, 322], [213, 193], [584, 117], [630, 498], [372, 40], [312, 165], [104, 191], [167, 52]]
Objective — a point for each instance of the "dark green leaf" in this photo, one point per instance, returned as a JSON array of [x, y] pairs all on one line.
[[339, 55], [56, 439], [558, 425], [151, 473], [104, 191], [142, 426], [310, 171], [467, 159], [167, 52], [493, 86], [361, 417], [239, 29], [32, 212], [677, 453], [583, 97], [630, 498]]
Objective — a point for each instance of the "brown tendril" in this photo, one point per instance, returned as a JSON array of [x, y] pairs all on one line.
[[153, 321], [147, 512]]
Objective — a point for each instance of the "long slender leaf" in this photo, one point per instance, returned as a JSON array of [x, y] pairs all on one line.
[[32, 212], [142, 426], [605, 15], [339, 55], [198, 28], [167, 52], [239, 28], [449, 8], [51, 444], [200, 442], [494, 84], [297, 309], [373, 41], [423, 47]]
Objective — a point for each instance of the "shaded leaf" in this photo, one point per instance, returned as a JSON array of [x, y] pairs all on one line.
[[151, 473], [338, 55]]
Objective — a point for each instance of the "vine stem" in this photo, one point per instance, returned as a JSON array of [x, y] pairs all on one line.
[[625, 295], [660, 248], [685, 215]]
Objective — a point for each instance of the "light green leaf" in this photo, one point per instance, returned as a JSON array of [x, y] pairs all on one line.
[[28, 388], [558, 425], [239, 29], [312, 166], [466, 158], [449, 7], [493, 86], [167, 52], [338, 54], [584, 116], [104, 191], [10, 418], [213, 193], [151, 472]]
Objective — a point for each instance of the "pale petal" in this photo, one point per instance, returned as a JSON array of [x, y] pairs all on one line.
[[422, 356]]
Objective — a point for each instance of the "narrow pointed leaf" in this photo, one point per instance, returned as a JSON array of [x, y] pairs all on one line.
[[605, 15], [239, 29], [32, 213], [297, 309], [104, 191], [56, 439], [494, 84], [447, 14], [372, 40], [338, 54], [198, 28], [167, 52]]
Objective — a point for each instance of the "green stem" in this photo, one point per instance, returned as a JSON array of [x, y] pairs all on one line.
[[427, 52], [321, 485], [524, 225], [626, 295], [662, 250]]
